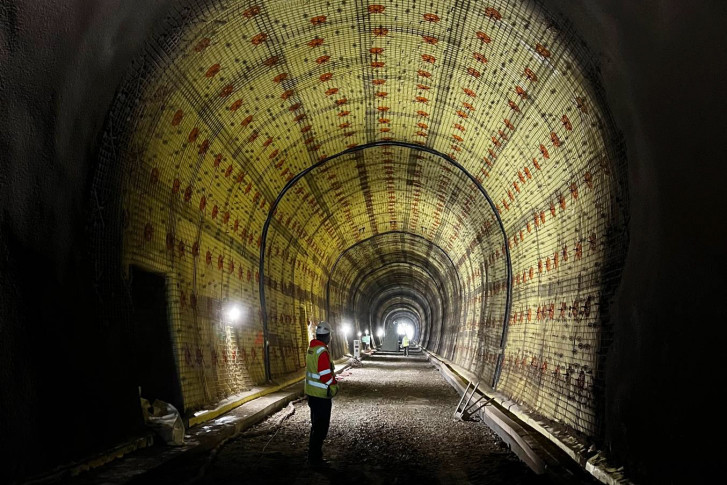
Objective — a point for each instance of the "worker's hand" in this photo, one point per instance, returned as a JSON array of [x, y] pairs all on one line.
[[333, 390]]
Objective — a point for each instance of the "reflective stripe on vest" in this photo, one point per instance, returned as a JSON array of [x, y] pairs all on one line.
[[316, 384]]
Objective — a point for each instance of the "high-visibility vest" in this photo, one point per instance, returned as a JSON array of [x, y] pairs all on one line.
[[405, 341], [319, 384]]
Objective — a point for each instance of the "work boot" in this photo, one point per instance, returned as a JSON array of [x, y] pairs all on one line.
[[318, 463]]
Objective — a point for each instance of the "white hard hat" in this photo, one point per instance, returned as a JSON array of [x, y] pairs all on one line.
[[323, 328]]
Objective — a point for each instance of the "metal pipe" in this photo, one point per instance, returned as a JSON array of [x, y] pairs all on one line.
[[462, 398], [470, 411], [471, 395]]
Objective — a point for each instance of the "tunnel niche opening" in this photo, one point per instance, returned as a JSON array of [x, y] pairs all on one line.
[[154, 366]]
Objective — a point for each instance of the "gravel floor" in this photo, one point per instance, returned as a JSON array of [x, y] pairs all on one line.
[[391, 424]]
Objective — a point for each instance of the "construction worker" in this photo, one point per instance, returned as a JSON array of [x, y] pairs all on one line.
[[405, 344], [320, 387]]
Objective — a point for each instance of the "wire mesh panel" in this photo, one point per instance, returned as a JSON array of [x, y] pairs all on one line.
[[236, 99]]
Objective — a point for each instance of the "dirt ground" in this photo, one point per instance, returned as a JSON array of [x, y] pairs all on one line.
[[391, 424]]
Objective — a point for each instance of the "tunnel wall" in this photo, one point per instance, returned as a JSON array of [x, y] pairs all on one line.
[[58, 81], [655, 62], [198, 136], [64, 392]]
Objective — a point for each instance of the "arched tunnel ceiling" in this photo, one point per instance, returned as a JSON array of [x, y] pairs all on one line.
[[381, 189], [238, 98]]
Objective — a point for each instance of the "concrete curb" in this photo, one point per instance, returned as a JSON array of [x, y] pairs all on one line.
[[227, 406], [76, 468], [516, 433], [255, 393], [510, 431]]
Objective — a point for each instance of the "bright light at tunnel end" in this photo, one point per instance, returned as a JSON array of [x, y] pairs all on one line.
[[405, 329]]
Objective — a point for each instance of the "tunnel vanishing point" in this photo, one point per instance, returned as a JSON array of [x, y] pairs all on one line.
[[526, 182]]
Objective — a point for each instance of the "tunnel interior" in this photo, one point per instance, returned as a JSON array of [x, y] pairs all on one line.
[[449, 162], [140, 139]]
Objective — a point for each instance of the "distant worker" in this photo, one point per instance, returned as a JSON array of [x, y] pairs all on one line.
[[320, 386], [405, 344]]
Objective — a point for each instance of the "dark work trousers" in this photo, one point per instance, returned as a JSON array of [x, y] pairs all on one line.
[[320, 417]]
